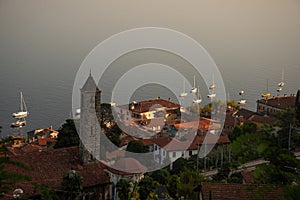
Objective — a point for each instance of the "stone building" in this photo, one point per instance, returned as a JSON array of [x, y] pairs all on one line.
[[275, 104], [89, 149]]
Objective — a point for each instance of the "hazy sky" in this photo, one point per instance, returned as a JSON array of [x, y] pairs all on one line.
[[238, 34], [43, 42]]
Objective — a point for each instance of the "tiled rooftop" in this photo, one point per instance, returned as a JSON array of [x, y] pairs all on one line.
[[281, 102], [48, 167]]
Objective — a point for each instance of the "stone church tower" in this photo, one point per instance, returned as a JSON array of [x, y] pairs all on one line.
[[89, 148]]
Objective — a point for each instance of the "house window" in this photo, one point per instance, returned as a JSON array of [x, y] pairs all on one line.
[[182, 154], [155, 148], [174, 154], [190, 153]]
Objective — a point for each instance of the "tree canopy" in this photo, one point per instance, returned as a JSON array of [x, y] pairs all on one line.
[[68, 135]]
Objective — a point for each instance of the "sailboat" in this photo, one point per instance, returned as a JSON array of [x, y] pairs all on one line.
[[212, 86], [183, 94], [112, 104], [19, 123], [281, 84], [242, 101], [266, 95], [198, 100], [212, 95], [23, 109], [194, 89]]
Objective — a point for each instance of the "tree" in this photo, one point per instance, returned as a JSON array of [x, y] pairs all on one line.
[[72, 184], [188, 180], [8, 178], [179, 165], [174, 186], [241, 130], [123, 189], [282, 168], [287, 136], [46, 192], [161, 176], [136, 146], [233, 104], [245, 147], [107, 118], [146, 187], [68, 135]]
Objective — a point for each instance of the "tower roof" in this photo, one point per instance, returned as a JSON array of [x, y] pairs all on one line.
[[90, 84]]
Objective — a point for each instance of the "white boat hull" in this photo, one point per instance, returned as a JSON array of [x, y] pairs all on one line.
[[197, 101], [194, 90], [242, 102], [18, 124], [211, 95], [20, 114], [183, 95]]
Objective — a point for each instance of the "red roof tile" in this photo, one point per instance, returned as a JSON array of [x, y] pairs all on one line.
[[145, 106], [48, 167], [202, 124], [281, 102], [42, 141], [127, 166], [263, 119]]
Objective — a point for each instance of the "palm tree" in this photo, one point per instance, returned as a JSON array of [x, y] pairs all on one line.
[[123, 189]]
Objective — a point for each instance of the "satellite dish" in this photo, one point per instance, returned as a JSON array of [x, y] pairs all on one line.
[[17, 193]]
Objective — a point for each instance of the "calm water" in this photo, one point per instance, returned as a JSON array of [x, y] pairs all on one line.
[[48, 93]]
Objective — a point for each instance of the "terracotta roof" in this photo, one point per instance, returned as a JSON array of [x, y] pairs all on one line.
[[281, 102], [115, 154], [126, 166], [244, 113], [262, 119], [208, 139], [145, 106], [231, 191], [42, 141], [125, 140], [202, 124], [48, 167], [29, 148]]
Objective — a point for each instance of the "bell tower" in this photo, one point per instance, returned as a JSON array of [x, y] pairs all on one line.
[[90, 130]]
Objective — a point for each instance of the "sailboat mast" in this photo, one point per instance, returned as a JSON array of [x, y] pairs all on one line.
[[21, 101]]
